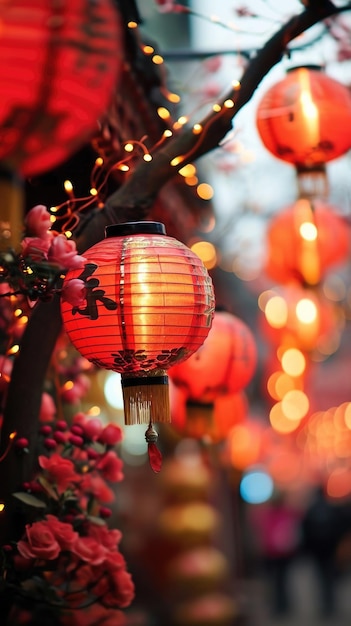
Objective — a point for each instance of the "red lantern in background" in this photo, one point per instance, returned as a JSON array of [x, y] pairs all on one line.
[[304, 241], [149, 304], [223, 365], [59, 64], [297, 317], [305, 119], [210, 422]]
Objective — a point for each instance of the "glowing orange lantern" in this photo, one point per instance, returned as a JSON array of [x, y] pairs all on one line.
[[149, 304], [298, 317], [210, 422], [305, 119], [224, 364], [304, 241], [59, 64]]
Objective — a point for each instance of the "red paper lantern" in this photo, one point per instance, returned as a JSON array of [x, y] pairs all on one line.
[[224, 364], [304, 241], [298, 317], [59, 65], [149, 304], [305, 119], [210, 422]]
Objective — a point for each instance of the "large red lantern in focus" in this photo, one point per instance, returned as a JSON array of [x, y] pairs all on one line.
[[60, 62], [305, 119], [224, 364], [304, 241], [149, 304]]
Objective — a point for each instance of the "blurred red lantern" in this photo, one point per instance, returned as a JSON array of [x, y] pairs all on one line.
[[305, 118], [59, 64], [298, 317], [149, 304], [210, 422], [300, 245], [224, 364]]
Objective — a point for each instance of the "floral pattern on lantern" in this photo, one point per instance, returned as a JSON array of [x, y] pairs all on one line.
[[305, 119], [299, 242], [60, 62], [149, 304]]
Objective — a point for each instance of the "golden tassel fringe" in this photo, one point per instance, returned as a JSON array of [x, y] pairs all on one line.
[[146, 399]]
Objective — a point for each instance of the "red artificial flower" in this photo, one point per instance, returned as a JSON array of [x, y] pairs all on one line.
[[118, 587], [92, 428], [93, 484], [110, 466], [38, 221], [62, 531], [39, 542], [107, 537], [111, 434], [60, 471], [89, 550]]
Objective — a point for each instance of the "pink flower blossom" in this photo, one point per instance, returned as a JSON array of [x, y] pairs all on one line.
[[74, 291], [39, 542], [47, 408], [35, 248], [110, 466], [92, 428], [38, 221], [63, 251], [111, 434], [60, 471]]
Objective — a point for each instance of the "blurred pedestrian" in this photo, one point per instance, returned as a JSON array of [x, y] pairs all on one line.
[[323, 526]]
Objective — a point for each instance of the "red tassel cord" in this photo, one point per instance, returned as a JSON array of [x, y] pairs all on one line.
[[155, 456]]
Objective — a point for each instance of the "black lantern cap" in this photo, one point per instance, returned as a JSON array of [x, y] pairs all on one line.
[[135, 228]]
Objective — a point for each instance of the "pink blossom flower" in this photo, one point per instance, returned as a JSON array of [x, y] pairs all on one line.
[[35, 248], [63, 251], [74, 291], [62, 531], [38, 221], [111, 434], [89, 550], [47, 408], [60, 471], [213, 64], [92, 428], [39, 542], [110, 466]]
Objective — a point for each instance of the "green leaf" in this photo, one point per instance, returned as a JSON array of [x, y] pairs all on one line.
[[27, 498], [48, 488], [96, 520]]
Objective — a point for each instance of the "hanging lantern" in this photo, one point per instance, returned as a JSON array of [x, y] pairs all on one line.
[[224, 364], [209, 422], [60, 62], [305, 119], [303, 318], [304, 241], [149, 304]]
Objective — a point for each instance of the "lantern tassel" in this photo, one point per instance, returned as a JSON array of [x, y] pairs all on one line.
[[155, 456], [146, 398]]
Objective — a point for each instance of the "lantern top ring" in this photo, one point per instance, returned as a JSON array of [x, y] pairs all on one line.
[[135, 228]]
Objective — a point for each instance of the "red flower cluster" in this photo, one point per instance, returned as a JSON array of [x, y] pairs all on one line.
[[68, 547]]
